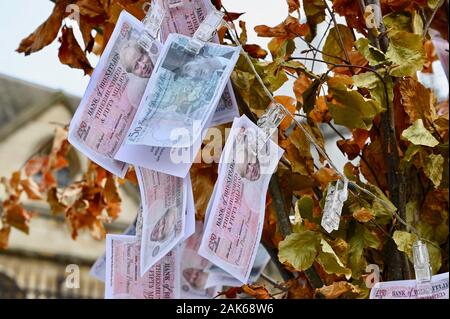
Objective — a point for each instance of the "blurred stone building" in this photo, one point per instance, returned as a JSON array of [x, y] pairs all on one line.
[[34, 265]]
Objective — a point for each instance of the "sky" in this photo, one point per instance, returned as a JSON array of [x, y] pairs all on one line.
[[19, 18]]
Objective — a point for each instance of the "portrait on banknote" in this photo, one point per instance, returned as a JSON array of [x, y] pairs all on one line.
[[235, 217], [109, 104]]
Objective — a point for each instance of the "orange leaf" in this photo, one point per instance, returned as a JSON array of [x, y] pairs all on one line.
[[289, 103], [90, 8], [31, 188], [256, 291], [70, 52], [301, 84], [289, 28], [320, 112], [293, 5], [18, 217], [255, 51], [325, 175], [4, 237], [363, 215], [46, 32], [34, 165], [349, 147], [337, 289]]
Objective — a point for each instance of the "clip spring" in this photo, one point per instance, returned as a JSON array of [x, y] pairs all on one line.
[[205, 31], [152, 24]]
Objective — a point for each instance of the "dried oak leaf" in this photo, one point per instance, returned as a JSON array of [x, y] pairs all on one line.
[[325, 175], [15, 215], [288, 29], [46, 32], [417, 100], [299, 289], [255, 291], [70, 52], [351, 10]]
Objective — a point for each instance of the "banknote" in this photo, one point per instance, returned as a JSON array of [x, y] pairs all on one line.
[[163, 214], [112, 97], [195, 275], [98, 269], [123, 281], [410, 289], [189, 228], [236, 216], [177, 106], [185, 20]]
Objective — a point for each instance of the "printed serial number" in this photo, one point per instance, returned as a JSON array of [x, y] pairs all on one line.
[[246, 308]]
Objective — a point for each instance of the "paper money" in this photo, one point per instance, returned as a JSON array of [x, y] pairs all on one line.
[[409, 289], [195, 276], [189, 228], [112, 97], [185, 20], [98, 269], [163, 215], [177, 106], [122, 272], [234, 226]]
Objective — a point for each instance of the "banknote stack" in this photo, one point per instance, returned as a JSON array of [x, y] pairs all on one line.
[[149, 105]]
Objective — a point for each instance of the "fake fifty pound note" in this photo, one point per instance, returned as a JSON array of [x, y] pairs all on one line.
[[409, 289], [177, 106], [185, 19], [163, 214], [236, 216], [112, 97], [122, 272]]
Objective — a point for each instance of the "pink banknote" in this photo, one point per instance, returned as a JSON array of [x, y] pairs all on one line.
[[410, 289], [122, 272], [112, 97], [236, 215], [163, 200]]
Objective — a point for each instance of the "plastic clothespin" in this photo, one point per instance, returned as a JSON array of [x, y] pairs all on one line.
[[422, 268], [175, 3], [205, 31], [334, 202], [269, 122], [152, 24]]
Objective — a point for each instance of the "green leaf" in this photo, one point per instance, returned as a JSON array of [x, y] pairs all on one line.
[[410, 152], [419, 135], [305, 207], [333, 47], [372, 54], [315, 14], [299, 249], [374, 84], [331, 262], [398, 21], [417, 23], [361, 239], [352, 110], [434, 167], [433, 3], [405, 52]]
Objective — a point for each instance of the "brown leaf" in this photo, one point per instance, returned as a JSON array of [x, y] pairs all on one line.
[[46, 32], [256, 291], [293, 5], [435, 207], [373, 155], [231, 16], [70, 52], [18, 217], [4, 237], [301, 84], [340, 289], [112, 197], [325, 175], [363, 215], [31, 188], [417, 100], [230, 293], [203, 180], [299, 289], [255, 51], [90, 8], [288, 29], [349, 147], [34, 165], [53, 200], [320, 113], [351, 10]]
